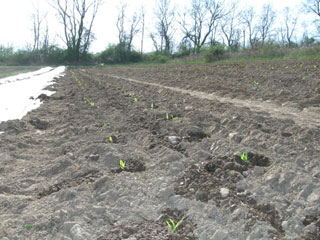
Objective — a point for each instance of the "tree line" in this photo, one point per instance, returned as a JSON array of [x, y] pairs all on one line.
[[210, 26]]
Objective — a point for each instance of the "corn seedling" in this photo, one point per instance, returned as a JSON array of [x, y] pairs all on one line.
[[27, 227], [167, 116], [314, 66], [106, 124], [110, 139], [172, 227], [301, 65], [135, 100], [92, 104], [173, 118], [122, 165], [152, 106], [243, 156]]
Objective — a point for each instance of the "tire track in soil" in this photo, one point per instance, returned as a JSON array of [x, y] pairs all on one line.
[[305, 118]]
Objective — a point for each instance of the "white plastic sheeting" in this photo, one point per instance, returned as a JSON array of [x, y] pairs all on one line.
[[18, 94]]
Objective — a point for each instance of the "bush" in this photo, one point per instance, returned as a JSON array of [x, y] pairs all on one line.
[[119, 54], [271, 50], [214, 53], [157, 57]]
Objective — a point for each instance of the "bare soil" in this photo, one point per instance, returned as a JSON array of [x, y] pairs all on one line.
[[179, 129]]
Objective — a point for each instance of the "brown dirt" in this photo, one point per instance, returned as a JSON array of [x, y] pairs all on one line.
[[270, 110]]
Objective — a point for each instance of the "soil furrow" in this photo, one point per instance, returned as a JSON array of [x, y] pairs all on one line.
[[306, 118]]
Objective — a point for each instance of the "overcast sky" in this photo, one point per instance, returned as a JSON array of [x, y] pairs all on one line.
[[16, 21]]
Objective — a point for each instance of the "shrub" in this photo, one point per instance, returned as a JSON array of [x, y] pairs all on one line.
[[214, 53], [157, 57], [119, 54]]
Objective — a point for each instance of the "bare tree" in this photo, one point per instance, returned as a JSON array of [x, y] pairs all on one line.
[[126, 36], [248, 19], [165, 18], [142, 28], [289, 27], [39, 39], [120, 24], [77, 17], [266, 20], [313, 6], [202, 19], [229, 28], [155, 42]]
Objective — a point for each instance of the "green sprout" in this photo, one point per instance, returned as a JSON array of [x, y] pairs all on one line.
[[167, 116], [314, 66], [243, 156], [27, 227], [173, 118], [92, 104], [172, 226], [110, 139], [122, 165], [106, 124], [152, 106], [301, 65], [136, 100]]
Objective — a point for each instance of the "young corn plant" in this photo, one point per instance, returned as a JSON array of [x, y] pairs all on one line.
[[243, 156], [110, 139], [122, 165], [172, 226], [106, 124], [27, 227], [173, 118]]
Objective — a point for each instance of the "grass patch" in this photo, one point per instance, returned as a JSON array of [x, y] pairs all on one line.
[[8, 74]]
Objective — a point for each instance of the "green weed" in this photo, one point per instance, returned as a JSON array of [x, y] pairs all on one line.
[[110, 139], [106, 124]]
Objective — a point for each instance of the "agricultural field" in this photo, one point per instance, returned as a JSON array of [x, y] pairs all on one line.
[[204, 151], [6, 71]]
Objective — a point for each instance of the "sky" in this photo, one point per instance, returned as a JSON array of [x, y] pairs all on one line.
[[16, 20]]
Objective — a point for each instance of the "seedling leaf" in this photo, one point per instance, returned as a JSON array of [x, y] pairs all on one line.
[[243, 156], [172, 227], [122, 165], [110, 139]]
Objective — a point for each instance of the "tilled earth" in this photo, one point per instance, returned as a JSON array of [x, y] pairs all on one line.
[[179, 129]]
